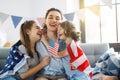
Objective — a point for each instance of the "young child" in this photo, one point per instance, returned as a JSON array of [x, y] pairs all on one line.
[[78, 60]]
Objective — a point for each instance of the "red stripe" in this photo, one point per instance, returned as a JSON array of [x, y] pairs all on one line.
[[70, 53], [80, 52], [83, 66], [90, 74]]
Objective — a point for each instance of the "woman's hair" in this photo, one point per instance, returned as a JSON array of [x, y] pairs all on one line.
[[27, 25], [69, 30], [47, 13], [53, 9]]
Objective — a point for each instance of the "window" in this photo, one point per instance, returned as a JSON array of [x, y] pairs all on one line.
[[102, 21]]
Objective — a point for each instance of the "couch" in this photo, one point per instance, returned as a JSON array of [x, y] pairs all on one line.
[[3, 55], [92, 51]]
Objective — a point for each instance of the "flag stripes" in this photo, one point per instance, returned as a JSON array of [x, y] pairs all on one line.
[[80, 62], [53, 50]]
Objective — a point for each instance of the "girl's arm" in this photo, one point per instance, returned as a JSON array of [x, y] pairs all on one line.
[[62, 53], [35, 69]]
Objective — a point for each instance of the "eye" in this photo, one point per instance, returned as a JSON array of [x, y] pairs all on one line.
[[57, 18], [50, 18], [37, 27]]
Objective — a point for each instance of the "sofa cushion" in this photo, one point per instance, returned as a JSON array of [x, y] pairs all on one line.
[[94, 50], [3, 55]]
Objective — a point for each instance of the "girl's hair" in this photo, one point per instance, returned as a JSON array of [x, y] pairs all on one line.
[[69, 30], [48, 11], [27, 25]]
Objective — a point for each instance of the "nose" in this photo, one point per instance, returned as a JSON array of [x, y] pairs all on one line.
[[54, 19]]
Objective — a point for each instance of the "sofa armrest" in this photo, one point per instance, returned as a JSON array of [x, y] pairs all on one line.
[[4, 51]]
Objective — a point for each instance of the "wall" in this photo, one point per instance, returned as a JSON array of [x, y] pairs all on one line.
[[29, 9]]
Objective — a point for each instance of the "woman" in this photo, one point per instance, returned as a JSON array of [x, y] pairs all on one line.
[[24, 60], [55, 70]]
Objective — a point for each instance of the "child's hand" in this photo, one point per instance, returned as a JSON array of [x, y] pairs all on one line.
[[56, 56], [72, 66], [46, 60], [20, 53]]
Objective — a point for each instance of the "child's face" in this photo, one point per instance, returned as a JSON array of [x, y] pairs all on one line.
[[35, 32], [60, 33]]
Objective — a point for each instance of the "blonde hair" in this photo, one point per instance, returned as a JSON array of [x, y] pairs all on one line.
[[70, 30]]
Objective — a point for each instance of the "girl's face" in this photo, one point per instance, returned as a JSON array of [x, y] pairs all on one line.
[[61, 33], [35, 32], [52, 21]]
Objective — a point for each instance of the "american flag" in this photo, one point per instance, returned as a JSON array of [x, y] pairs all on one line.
[[78, 58], [13, 59], [53, 49]]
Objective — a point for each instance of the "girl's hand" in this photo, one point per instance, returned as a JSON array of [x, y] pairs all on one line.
[[56, 56], [20, 53], [46, 60], [72, 66]]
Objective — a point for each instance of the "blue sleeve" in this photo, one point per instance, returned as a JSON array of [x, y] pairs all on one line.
[[42, 50], [62, 45]]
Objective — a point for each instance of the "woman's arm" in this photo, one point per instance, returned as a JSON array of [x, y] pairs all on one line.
[[35, 69]]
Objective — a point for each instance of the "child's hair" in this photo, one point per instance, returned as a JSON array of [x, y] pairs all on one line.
[[70, 30], [27, 25]]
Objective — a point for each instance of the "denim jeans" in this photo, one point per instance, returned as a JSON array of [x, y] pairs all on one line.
[[73, 74], [78, 76]]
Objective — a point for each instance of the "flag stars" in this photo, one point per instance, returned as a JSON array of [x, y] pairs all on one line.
[[14, 51], [6, 65], [16, 58], [12, 63]]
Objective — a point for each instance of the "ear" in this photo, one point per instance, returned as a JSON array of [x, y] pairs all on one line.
[[27, 31]]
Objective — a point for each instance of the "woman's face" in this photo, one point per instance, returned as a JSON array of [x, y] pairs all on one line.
[[60, 33], [52, 21], [35, 32]]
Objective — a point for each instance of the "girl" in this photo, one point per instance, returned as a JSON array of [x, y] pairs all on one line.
[[23, 61], [78, 60]]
